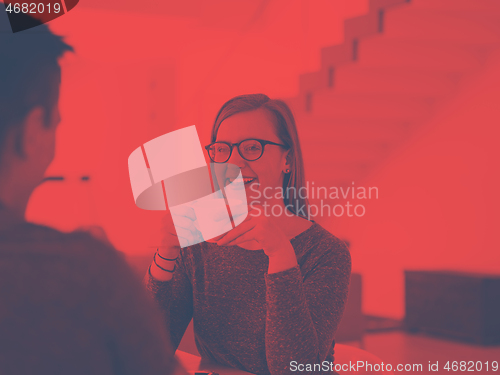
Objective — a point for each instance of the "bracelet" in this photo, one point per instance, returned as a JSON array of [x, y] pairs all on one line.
[[149, 271], [171, 260], [164, 269]]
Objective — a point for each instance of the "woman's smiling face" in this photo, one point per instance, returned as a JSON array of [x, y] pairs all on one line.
[[267, 171]]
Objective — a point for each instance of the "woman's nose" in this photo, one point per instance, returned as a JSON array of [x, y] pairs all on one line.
[[236, 158]]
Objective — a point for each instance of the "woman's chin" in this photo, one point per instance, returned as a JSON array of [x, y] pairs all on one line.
[[250, 245], [252, 190]]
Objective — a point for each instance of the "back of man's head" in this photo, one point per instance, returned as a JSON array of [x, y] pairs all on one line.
[[28, 68]]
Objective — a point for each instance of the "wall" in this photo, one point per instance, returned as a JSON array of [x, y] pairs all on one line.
[[137, 75], [438, 199]]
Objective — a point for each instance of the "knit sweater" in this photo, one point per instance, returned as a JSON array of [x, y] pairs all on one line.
[[69, 304], [248, 319]]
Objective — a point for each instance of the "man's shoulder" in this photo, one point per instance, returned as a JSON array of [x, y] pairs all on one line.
[[77, 258], [42, 240]]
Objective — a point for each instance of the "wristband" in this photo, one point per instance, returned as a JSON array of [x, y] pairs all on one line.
[[160, 267], [171, 260]]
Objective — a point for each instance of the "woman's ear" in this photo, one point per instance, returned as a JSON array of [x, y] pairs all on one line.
[[288, 161]]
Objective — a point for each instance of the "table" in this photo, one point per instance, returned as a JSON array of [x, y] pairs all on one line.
[[194, 363], [343, 354], [458, 305]]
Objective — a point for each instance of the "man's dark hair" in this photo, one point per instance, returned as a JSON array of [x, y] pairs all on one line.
[[29, 70]]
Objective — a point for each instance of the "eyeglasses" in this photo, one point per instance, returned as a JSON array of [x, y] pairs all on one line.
[[249, 149]]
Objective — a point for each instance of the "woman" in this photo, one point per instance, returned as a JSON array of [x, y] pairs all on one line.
[[256, 310]]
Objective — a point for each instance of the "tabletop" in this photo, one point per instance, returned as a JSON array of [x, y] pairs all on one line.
[[193, 363]]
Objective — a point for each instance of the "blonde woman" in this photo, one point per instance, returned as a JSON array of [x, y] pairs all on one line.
[[272, 290]]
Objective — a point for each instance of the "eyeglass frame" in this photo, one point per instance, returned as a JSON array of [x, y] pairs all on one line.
[[262, 142]]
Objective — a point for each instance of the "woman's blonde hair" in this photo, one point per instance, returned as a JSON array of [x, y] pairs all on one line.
[[287, 132]]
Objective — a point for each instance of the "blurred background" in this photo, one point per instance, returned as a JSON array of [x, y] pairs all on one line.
[[399, 95]]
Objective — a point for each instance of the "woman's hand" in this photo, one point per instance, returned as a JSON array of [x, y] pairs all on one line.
[[179, 230], [268, 235], [181, 234]]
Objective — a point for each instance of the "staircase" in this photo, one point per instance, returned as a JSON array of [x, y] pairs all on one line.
[[399, 63]]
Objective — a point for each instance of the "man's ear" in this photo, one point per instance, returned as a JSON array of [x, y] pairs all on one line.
[[29, 136]]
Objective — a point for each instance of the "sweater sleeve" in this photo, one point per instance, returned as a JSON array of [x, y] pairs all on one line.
[[175, 299], [303, 312], [135, 335]]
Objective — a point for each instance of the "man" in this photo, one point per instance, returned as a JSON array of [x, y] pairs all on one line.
[[69, 304]]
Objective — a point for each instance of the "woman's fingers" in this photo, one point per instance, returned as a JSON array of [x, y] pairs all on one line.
[[248, 236], [186, 228], [184, 242], [215, 239], [255, 210], [237, 214], [183, 210], [169, 243], [236, 232], [185, 234], [180, 227], [184, 222], [238, 209]]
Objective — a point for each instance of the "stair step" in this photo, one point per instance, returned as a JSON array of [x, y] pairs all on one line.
[[367, 24], [370, 23], [352, 78], [363, 106], [322, 131], [339, 53], [322, 79], [375, 87], [378, 4], [357, 152], [367, 80], [431, 55], [490, 6], [337, 187], [338, 169], [423, 24]]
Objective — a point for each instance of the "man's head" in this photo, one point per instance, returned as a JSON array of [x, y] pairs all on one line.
[[29, 92]]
